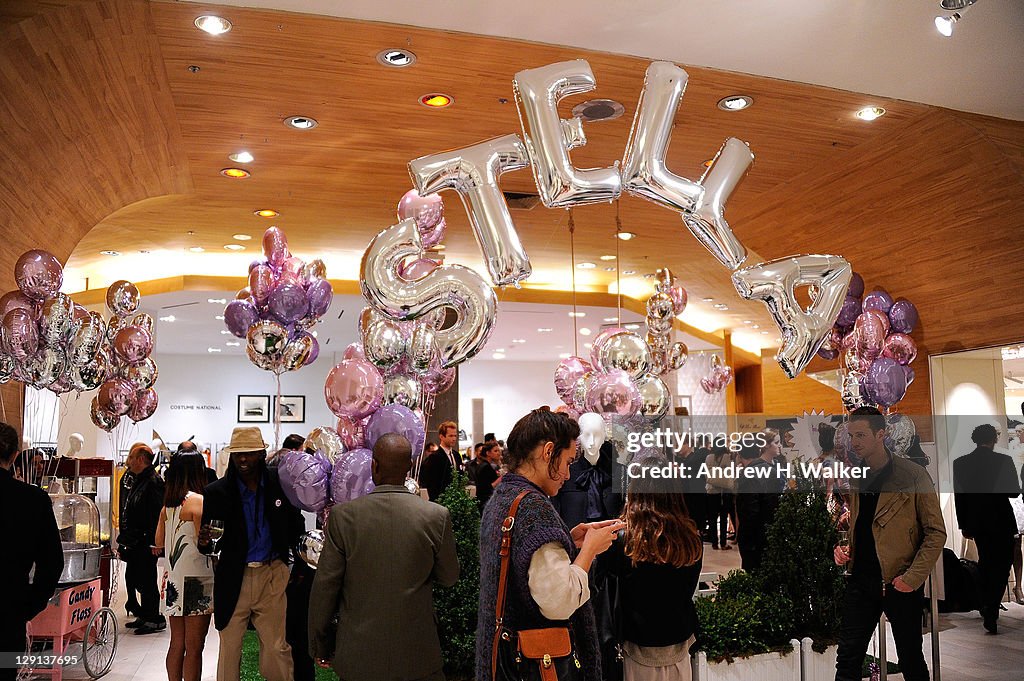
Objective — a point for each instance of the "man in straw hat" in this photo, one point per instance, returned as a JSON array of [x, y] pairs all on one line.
[[260, 526]]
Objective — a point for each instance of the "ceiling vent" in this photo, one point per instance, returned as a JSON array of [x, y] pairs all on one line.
[[598, 110], [521, 201]]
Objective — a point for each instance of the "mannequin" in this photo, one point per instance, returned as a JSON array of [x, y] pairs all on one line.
[[587, 495], [76, 443]]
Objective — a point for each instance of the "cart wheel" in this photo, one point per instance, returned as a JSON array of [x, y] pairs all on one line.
[[99, 643]]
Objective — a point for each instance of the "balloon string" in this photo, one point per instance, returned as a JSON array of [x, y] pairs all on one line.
[[572, 271], [277, 413], [618, 266]]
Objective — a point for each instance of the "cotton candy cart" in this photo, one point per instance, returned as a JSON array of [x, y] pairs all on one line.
[[80, 629]]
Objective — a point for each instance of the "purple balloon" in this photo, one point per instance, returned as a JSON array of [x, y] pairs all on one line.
[[856, 289], [261, 283], [38, 274], [910, 374], [900, 347], [354, 388], [20, 334], [850, 311], [878, 300], [567, 372], [16, 299], [903, 316], [613, 393], [351, 477], [288, 303], [305, 479], [319, 294], [256, 263], [395, 418], [314, 351], [886, 382], [239, 315], [827, 353]]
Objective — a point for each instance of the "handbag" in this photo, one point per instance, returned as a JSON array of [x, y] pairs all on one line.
[[529, 654]]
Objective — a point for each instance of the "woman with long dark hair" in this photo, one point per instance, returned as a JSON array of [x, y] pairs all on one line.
[[657, 562], [547, 585], [188, 581]]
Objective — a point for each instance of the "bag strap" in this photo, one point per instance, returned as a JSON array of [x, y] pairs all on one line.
[[503, 551]]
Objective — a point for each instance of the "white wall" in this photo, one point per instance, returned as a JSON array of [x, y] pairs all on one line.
[[509, 391]]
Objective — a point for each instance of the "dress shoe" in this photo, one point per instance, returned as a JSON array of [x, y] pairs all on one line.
[[135, 623], [989, 620], [1018, 596], [151, 628]]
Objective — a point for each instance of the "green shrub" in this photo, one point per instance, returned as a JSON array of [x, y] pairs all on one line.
[[456, 606], [742, 620]]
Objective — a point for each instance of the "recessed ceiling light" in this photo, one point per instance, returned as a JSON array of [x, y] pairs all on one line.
[[396, 57], [747, 321], [735, 102], [756, 326], [234, 247], [577, 314], [213, 25], [235, 173], [708, 163], [870, 113], [629, 272], [625, 236], [168, 318], [498, 355], [632, 327], [111, 253], [609, 269], [240, 237], [564, 355], [598, 110], [543, 330], [232, 344], [585, 265], [301, 122], [196, 249], [584, 331], [708, 300], [611, 320], [144, 252], [436, 100], [224, 332], [438, 247], [219, 318], [588, 345], [764, 333], [608, 257], [721, 306], [518, 340], [266, 213], [213, 349], [217, 301], [241, 157]]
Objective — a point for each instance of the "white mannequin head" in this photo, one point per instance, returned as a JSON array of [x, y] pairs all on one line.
[[592, 435], [76, 442]]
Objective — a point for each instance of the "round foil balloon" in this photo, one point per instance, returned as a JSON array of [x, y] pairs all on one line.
[[626, 351], [899, 433], [655, 398], [38, 274], [20, 334], [6, 368], [91, 374], [352, 432], [297, 353], [288, 302], [275, 246], [351, 477], [239, 315], [146, 402], [133, 345], [903, 316], [325, 440], [56, 320], [102, 419], [394, 418], [354, 388], [15, 299], [123, 298], [142, 375], [677, 355], [568, 372], [900, 347], [267, 338], [428, 214], [878, 300], [402, 389], [613, 394], [310, 546], [384, 343], [305, 479], [314, 270], [116, 396]]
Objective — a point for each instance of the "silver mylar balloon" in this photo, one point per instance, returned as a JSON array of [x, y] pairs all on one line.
[[658, 342], [453, 286], [325, 440], [643, 168], [267, 339], [579, 392], [144, 322], [659, 307], [116, 323], [899, 433], [296, 353], [774, 283], [659, 326], [677, 356], [88, 338], [655, 398], [422, 348], [313, 270], [560, 184], [659, 363], [412, 486], [57, 320], [707, 221], [626, 351], [384, 344], [665, 279], [123, 298], [310, 546], [474, 173], [47, 366], [6, 368], [263, 361], [90, 375], [143, 375], [851, 393], [403, 390]]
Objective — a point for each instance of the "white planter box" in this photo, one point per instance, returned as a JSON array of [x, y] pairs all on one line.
[[766, 667], [817, 666]]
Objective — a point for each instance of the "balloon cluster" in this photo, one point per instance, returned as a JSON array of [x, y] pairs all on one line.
[[286, 297], [873, 337], [668, 301], [720, 376], [50, 343]]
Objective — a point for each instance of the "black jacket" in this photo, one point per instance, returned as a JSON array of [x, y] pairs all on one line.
[[485, 477], [223, 501], [984, 481], [573, 499], [29, 530], [437, 473], [141, 513], [756, 502]]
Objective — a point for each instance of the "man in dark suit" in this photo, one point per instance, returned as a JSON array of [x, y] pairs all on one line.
[[385, 626], [139, 520], [439, 468], [984, 482], [260, 527], [29, 531]]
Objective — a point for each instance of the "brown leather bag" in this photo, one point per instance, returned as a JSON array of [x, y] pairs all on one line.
[[529, 654]]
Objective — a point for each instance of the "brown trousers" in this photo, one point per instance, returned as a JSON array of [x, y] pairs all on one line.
[[263, 599]]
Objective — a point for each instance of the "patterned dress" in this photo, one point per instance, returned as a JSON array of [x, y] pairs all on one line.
[[188, 580]]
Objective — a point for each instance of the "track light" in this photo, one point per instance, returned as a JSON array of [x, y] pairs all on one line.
[[944, 24]]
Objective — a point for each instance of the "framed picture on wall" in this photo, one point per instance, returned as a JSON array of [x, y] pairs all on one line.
[[254, 408], [291, 408], [684, 405]]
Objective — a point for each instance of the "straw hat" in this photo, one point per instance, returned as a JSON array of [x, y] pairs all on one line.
[[246, 439]]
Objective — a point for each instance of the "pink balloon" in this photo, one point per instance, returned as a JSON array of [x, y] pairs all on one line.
[[116, 397], [146, 402], [352, 432], [678, 295], [261, 283], [292, 269], [244, 294], [614, 394], [420, 267], [275, 246], [428, 213], [900, 347], [133, 345], [354, 351], [20, 334], [567, 373], [438, 380], [882, 317], [599, 340], [354, 388], [39, 274], [14, 300], [870, 335]]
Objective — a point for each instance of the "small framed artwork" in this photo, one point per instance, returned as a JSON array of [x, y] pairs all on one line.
[[254, 408], [291, 408]]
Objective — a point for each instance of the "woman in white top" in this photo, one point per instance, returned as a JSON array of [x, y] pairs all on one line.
[[188, 581]]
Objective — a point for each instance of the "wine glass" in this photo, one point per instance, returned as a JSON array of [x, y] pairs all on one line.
[[216, 532], [844, 543]]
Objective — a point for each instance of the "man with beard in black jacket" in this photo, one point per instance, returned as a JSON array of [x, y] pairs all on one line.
[[139, 519]]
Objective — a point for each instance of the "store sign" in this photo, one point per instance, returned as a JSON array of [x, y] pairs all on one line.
[[195, 407]]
